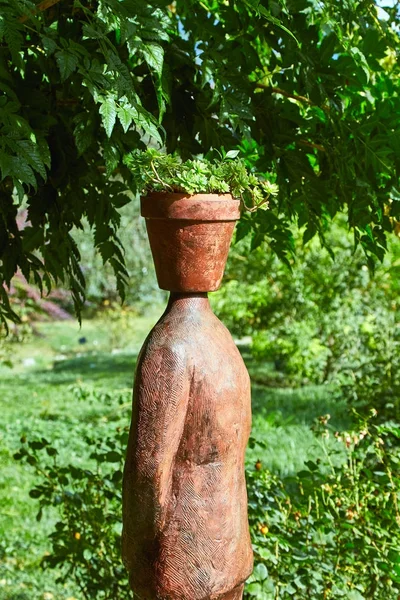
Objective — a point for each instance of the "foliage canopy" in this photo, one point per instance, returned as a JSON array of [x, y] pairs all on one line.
[[306, 90]]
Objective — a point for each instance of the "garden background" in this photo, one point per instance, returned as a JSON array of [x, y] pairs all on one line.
[[322, 346], [307, 92]]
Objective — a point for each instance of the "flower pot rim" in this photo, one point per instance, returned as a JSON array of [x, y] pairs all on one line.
[[191, 207]]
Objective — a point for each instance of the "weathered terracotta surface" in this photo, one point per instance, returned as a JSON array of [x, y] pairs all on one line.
[[186, 534], [189, 238]]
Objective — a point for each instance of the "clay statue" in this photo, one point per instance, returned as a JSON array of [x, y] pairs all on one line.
[[186, 533]]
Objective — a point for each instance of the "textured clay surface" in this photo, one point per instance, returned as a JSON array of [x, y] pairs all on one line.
[[199, 207], [189, 256], [186, 534], [189, 238]]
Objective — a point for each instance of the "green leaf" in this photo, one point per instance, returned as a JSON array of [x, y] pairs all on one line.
[[254, 589], [5, 165], [35, 493], [395, 194], [22, 171], [107, 250], [91, 32], [113, 456], [154, 56], [49, 44], [108, 111], [243, 228], [44, 152], [10, 31], [267, 15], [261, 572], [111, 157], [257, 239], [126, 114], [31, 153], [361, 61], [67, 63], [355, 595], [310, 231], [150, 128], [84, 131]]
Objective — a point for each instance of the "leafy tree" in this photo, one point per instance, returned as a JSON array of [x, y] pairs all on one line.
[[307, 89]]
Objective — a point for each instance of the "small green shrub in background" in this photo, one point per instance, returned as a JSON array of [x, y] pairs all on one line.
[[86, 540], [332, 530], [6, 344], [370, 368], [28, 310], [120, 322]]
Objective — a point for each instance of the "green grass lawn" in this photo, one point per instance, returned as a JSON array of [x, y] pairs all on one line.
[[37, 399]]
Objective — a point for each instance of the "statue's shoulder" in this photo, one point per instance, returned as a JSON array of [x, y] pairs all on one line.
[[164, 345]]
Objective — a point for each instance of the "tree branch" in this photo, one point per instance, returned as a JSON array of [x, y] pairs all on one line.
[[312, 145], [276, 90], [303, 99], [44, 5]]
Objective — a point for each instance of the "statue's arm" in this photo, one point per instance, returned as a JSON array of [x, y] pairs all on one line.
[[159, 414]]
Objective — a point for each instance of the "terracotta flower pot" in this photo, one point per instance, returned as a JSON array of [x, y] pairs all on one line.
[[189, 238]]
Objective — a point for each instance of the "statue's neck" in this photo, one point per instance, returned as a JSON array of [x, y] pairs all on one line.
[[188, 302]]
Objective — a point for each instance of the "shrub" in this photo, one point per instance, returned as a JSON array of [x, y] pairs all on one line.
[[370, 371], [333, 530], [86, 539]]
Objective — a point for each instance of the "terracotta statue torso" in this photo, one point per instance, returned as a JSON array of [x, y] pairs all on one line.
[[186, 532]]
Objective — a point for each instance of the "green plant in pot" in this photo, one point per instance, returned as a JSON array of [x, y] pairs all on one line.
[[191, 208], [155, 171]]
